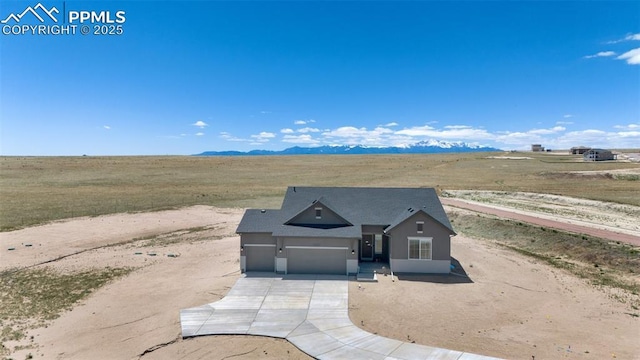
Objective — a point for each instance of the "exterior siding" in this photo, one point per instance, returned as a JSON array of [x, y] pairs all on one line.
[[420, 266], [351, 244], [309, 216], [441, 244], [373, 229], [598, 155], [256, 238]]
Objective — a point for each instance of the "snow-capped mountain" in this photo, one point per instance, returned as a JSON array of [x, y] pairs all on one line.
[[422, 147]]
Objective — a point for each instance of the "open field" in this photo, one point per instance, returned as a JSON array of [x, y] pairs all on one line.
[[34, 190], [509, 305], [529, 291], [606, 215]]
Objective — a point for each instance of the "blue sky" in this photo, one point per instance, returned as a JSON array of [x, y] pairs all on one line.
[[191, 76]]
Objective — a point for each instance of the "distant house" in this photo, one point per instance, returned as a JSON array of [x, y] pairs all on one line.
[[537, 148], [598, 155], [332, 230], [579, 150]]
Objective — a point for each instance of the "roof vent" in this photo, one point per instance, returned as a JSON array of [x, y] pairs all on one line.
[[263, 211], [410, 209]]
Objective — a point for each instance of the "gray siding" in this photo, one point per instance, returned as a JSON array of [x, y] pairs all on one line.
[[441, 244], [350, 244], [373, 229], [308, 216], [256, 238]]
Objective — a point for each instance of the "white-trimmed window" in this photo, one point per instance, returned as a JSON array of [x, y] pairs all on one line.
[[318, 213], [419, 227], [419, 248]]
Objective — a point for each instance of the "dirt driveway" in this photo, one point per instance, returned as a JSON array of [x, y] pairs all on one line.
[[560, 225]]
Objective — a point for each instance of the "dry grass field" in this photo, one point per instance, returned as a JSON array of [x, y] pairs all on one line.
[[35, 190], [92, 266]]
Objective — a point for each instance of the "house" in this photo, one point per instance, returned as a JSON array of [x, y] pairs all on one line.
[[537, 148], [579, 150], [598, 155], [332, 230]]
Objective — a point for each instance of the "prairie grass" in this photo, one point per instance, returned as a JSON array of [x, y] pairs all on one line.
[[35, 190], [602, 262], [31, 297]]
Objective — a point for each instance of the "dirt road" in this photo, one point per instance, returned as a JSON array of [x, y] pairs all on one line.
[[560, 225]]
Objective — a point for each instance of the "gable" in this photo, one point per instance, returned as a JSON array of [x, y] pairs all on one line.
[[344, 210], [411, 217], [318, 215]]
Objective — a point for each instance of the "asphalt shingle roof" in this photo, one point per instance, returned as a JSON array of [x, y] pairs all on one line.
[[359, 206]]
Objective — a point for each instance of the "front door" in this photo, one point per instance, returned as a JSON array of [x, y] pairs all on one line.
[[366, 247]]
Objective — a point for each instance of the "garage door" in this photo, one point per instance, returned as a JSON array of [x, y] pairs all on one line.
[[260, 257], [314, 260]]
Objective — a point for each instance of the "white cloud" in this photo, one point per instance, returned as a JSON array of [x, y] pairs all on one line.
[[227, 136], [107, 127], [553, 137], [564, 122], [201, 124], [567, 116], [265, 112], [629, 37], [554, 129], [627, 127], [304, 122], [359, 136], [263, 137], [200, 134], [308, 130], [300, 139], [391, 124], [601, 54], [632, 56], [451, 132]]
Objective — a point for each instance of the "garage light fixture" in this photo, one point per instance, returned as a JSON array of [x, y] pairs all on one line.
[[241, 248], [280, 250], [353, 252]]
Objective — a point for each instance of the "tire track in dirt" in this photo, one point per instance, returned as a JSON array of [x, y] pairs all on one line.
[[560, 225]]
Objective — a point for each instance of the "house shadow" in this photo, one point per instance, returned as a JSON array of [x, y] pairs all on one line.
[[457, 275]]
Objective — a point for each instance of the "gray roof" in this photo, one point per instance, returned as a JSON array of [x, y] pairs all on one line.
[[358, 206]]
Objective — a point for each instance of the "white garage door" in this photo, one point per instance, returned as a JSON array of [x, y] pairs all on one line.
[[317, 260], [260, 257]]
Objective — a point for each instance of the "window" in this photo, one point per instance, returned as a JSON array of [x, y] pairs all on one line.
[[420, 248], [318, 213], [378, 244], [420, 226]]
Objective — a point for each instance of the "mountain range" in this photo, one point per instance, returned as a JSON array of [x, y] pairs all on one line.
[[422, 147]]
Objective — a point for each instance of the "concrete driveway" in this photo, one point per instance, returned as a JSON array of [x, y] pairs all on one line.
[[310, 311]]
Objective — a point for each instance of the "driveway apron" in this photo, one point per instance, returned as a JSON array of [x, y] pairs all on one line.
[[310, 311]]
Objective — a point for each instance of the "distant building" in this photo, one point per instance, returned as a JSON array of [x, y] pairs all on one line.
[[579, 150], [537, 148], [598, 155]]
